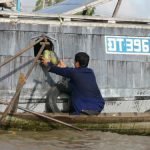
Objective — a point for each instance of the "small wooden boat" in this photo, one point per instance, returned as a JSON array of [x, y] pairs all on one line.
[[126, 123], [122, 77]]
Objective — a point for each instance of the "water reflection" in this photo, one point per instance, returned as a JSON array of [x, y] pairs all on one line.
[[71, 140]]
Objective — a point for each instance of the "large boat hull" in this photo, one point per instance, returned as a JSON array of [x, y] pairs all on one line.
[[122, 77]]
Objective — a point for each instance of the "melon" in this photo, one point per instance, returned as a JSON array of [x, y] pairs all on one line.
[[51, 56]]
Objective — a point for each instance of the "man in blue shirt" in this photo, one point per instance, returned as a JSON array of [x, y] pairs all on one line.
[[85, 96]]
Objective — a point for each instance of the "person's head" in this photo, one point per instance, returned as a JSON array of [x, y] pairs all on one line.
[[81, 59]]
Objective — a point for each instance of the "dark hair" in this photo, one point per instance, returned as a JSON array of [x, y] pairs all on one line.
[[82, 58]]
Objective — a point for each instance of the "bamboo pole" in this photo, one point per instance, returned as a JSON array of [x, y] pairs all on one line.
[[117, 8]]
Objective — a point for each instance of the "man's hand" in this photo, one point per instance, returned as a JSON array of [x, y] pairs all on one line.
[[62, 64], [44, 61]]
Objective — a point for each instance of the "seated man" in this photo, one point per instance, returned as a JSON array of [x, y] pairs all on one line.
[[85, 96]]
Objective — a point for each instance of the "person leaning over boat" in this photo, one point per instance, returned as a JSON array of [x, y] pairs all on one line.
[[85, 96]]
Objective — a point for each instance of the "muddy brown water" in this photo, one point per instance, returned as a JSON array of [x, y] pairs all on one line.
[[71, 140]]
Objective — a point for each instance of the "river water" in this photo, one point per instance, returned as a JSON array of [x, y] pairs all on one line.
[[71, 140]]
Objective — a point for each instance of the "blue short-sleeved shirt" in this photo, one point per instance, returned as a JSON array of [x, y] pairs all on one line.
[[85, 92]]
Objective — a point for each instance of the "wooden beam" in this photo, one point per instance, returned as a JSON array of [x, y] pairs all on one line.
[[117, 8]]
